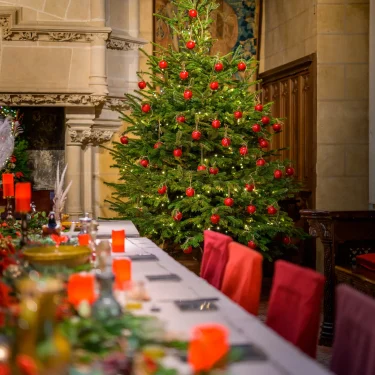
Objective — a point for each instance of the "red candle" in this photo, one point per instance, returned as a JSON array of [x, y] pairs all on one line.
[[122, 268], [83, 239], [23, 196], [8, 185], [81, 287], [118, 241]]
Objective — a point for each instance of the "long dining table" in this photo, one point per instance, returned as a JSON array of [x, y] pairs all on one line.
[[281, 357]]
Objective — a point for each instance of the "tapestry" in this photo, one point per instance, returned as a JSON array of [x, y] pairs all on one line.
[[236, 22]]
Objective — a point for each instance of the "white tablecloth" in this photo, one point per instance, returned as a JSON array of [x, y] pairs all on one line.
[[283, 358]]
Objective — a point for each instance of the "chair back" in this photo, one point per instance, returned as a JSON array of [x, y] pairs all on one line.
[[295, 305], [215, 257], [353, 349], [243, 277]]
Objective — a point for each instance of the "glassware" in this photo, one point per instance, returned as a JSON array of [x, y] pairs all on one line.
[[85, 223]]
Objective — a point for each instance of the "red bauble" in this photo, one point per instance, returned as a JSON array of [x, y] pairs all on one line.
[[188, 94], [180, 119], [260, 162], [278, 174], [251, 209], [244, 150], [276, 127], [265, 120], [289, 171], [215, 218], [219, 66], [213, 170], [193, 13], [225, 142], [188, 250], [184, 75], [190, 44], [177, 152], [271, 210], [162, 190], [256, 128], [163, 64], [157, 145], [214, 85], [249, 187], [287, 240], [229, 201], [241, 66], [201, 168], [196, 135], [252, 245], [259, 107], [237, 114], [124, 140], [177, 216], [216, 124], [142, 85], [144, 163], [146, 108], [263, 143], [190, 192]]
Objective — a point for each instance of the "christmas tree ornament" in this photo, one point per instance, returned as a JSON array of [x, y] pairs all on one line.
[[144, 163], [244, 150], [146, 108], [157, 145], [260, 162], [188, 94], [188, 250], [251, 209], [225, 142], [142, 85], [276, 127], [249, 187], [289, 171], [196, 135], [237, 115], [228, 201], [215, 218], [252, 245], [241, 66], [219, 66], [201, 168], [214, 85], [124, 140], [213, 170], [184, 75], [163, 64], [190, 192], [256, 128], [190, 44], [263, 143], [177, 216], [265, 120], [180, 119], [278, 174], [271, 210], [259, 107], [216, 124], [177, 152], [193, 13], [287, 240], [162, 190]]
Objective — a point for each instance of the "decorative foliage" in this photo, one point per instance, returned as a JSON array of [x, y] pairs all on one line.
[[7, 141], [60, 194]]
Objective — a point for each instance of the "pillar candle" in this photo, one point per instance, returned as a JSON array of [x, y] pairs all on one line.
[[23, 196], [122, 268], [8, 185], [84, 239], [81, 287], [118, 241]]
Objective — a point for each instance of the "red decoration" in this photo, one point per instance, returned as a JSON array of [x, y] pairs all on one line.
[[252, 245], [177, 152], [225, 142], [124, 140], [184, 75], [263, 143], [146, 108], [276, 127], [271, 210], [193, 13], [190, 192], [157, 145], [289, 171], [142, 85], [249, 187], [181, 119], [216, 124], [265, 120], [256, 128], [23, 197], [215, 218], [243, 150], [201, 168], [219, 66], [287, 240], [213, 170], [278, 174], [190, 44], [241, 66], [214, 85], [162, 190], [8, 185], [177, 216], [237, 114], [196, 135], [163, 64], [188, 94], [251, 209], [144, 163], [260, 162], [229, 201], [259, 107], [188, 250], [12, 159]]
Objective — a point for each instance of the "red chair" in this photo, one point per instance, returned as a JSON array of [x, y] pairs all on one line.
[[353, 349], [4, 301], [295, 302], [243, 277], [215, 257]]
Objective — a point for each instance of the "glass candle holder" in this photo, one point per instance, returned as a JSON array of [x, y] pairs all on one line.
[[23, 197], [118, 241], [81, 287], [84, 239], [122, 268], [8, 185]]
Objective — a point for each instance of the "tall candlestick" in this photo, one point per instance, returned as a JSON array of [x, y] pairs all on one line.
[[8, 185], [23, 197]]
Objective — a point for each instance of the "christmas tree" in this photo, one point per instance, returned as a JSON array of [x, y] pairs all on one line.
[[199, 153]]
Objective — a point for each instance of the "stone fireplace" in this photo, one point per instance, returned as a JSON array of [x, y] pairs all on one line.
[[80, 55]]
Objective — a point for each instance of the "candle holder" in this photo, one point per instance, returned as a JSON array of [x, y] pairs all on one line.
[[9, 210], [24, 230]]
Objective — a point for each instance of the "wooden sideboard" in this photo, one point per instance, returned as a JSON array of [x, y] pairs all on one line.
[[344, 235]]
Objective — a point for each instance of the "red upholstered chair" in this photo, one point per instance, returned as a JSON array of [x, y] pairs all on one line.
[[294, 308], [243, 277], [215, 257], [353, 349], [4, 301]]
